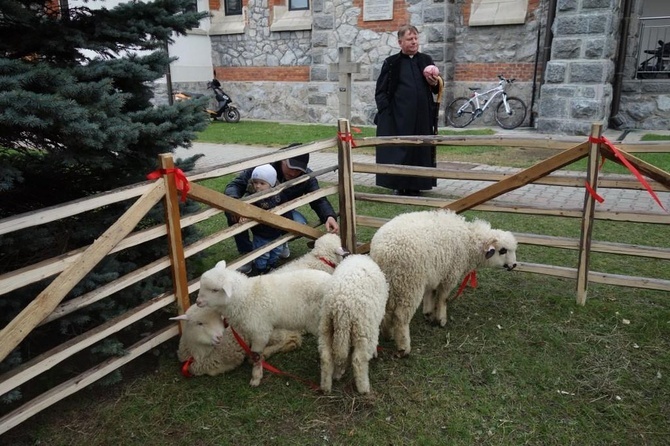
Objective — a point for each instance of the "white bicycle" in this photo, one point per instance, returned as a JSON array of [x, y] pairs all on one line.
[[510, 112]]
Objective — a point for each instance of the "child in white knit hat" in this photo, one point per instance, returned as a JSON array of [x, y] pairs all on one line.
[[264, 177]]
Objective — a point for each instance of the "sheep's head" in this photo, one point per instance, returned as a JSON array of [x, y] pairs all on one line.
[[501, 250], [330, 247], [216, 286], [202, 325]]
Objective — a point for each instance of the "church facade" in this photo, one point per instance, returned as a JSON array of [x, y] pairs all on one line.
[[575, 62]]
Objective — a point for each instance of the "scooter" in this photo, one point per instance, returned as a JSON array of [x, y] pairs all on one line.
[[224, 108], [225, 105]]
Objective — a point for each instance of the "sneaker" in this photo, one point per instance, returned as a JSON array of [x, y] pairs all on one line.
[[246, 268], [285, 252]]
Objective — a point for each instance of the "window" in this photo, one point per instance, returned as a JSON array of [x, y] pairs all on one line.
[[497, 12], [233, 7], [298, 5], [292, 15], [230, 18]]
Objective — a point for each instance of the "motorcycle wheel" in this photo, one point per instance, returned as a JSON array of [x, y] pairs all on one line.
[[231, 115]]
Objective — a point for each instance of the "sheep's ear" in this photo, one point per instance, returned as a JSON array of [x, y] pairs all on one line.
[[490, 251], [220, 265], [340, 251], [228, 289], [181, 317]]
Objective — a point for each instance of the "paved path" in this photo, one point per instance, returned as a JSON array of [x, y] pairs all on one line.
[[616, 200]]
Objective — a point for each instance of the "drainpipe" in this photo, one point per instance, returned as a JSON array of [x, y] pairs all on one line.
[[548, 37], [535, 68], [617, 121], [546, 53]]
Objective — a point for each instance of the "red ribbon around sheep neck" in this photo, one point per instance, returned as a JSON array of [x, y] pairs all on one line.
[[469, 277], [181, 182], [265, 365], [184, 368], [628, 165], [327, 262]]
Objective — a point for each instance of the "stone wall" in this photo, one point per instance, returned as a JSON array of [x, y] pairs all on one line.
[[578, 80], [291, 75]]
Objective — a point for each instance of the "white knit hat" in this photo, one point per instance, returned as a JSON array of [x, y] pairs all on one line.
[[266, 173]]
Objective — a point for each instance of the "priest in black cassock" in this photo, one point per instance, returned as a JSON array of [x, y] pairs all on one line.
[[404, 98]]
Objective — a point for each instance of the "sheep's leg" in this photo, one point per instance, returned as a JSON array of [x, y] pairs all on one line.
[[360, 360], [443, 291], [429, 305], [257, 369], [326, 355], [258, 344], [386, 327], [401, 319], [282, 341]]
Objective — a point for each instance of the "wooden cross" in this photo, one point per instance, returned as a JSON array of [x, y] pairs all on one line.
[[345, 68]]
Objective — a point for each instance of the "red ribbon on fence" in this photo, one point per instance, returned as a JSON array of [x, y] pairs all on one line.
[[593, 193], [344, 137], [629, 166], [469, 277], [266, 366], [180, 179]]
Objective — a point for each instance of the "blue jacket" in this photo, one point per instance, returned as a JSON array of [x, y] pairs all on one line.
[[321, 206]]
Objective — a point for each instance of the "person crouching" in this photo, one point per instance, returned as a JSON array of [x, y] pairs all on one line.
[[264, 177]]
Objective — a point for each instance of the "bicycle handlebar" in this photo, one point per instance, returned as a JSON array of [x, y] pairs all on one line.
[[502, 78]]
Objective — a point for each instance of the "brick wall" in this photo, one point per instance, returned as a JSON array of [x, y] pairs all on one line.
[[258, 74], [400, 17], [522, 72]]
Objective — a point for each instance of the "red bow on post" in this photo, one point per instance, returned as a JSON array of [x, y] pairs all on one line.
[[344, 137], [181, 182], [629, 166]]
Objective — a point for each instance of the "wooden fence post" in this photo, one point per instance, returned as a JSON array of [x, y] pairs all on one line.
[[587, 216], [346, 186], [176, 248]]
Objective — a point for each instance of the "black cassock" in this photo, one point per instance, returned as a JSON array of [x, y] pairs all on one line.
[[405, 107]]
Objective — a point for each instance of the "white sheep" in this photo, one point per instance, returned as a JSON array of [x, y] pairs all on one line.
[[258, 305], [325, 256], [211, 349], [424, 255], [353, 308]]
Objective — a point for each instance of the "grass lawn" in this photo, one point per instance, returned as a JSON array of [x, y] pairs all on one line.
[[518, 363], [277, 134]]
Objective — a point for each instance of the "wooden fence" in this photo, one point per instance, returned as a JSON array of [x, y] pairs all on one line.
[[71, 267]]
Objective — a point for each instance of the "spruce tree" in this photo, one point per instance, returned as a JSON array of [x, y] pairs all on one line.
[[77, 118]]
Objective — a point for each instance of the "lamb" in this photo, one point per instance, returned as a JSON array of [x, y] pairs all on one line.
[[424, 255], [352, 310], [258, 305], [211, 349], [325, 256]]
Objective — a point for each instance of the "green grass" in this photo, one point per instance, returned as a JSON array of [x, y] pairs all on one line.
[[278, 134], [518, 363], [655, 137]]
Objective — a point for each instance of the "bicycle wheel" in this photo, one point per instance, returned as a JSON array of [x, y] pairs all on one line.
[[460, 112], [516, 115]]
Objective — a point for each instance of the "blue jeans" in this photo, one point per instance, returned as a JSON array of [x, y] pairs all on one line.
[[270, 258], [243, 240]]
